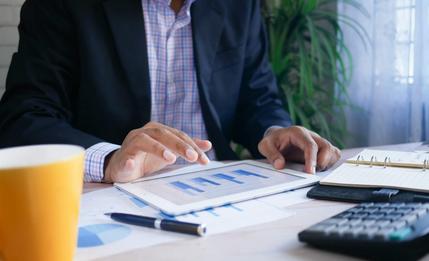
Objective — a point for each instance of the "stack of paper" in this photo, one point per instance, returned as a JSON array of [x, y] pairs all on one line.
[[99, 236]]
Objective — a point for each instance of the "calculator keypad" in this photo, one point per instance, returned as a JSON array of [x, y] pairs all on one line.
[[376, 221]]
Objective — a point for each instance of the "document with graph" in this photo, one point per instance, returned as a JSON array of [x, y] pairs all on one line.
[[383, 169], [211, 187]]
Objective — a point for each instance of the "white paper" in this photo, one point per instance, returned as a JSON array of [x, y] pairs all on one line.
[[377, 176], [285, 199], [93, 207], [218, 220]]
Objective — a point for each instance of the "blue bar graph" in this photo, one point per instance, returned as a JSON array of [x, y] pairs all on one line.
[[204, 182], [212, 211], [185, 187], [138, 202], [227, 177], [232, 207], [248, 173], [166, 216]]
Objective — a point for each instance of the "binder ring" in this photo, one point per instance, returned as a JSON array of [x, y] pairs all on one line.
[[386, 161], [372, 161], [358, 159]]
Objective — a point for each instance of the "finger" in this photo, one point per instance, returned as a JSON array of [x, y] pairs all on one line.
[[204, 145], [336, 155], [325, 151], [202, 157], [124, 172], [174, 143], [324, 157], [145, 143], [139, 149], [268, 149], [303, 140], [129, 164], [327, 155], [128, 171]]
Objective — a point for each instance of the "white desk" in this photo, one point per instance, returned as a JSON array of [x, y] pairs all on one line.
[[272, 241]]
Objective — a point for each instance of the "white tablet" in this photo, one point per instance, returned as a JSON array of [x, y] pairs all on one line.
[[230, 183]]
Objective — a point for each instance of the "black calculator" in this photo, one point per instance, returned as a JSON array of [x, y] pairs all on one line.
[[378, 231]]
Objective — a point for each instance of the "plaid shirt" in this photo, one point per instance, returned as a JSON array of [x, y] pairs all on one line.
[[175, 99]]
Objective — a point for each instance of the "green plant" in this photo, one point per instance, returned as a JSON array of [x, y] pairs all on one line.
[[312, 64]]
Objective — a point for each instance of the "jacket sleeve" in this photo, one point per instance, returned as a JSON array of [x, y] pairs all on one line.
[[42, 82], [260, 106]]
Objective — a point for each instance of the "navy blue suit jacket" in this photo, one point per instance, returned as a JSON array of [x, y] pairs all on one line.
[[80, 75]]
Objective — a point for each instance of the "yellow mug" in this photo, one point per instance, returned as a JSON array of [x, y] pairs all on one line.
[[40, 188]]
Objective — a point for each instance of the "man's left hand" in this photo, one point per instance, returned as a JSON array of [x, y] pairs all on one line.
[[300, 145]]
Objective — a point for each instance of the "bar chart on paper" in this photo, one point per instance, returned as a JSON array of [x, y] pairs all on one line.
[[101, 234], [197, 186], [99, 237]]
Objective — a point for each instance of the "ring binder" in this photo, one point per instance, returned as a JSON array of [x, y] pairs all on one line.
[[386, 161], [383, 169], [390, 159], [358, 159], [373, 160]]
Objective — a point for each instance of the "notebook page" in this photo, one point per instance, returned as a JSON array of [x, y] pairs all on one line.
[[413, 158], [376, 176]]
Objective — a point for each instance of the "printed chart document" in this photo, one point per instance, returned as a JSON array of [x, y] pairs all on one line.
[[100, 236]]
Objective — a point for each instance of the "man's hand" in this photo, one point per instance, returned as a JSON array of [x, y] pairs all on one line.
[[298, 144], [152, 148]]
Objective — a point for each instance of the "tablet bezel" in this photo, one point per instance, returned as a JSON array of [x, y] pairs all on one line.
[[170, 208]]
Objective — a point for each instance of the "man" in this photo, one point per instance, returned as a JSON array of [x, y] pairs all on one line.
[[92, 72]]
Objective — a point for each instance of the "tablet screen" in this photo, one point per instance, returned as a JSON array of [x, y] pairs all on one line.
[[202, 185]]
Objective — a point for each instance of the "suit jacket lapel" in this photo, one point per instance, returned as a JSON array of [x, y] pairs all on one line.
[[207, 27], [127, 24]]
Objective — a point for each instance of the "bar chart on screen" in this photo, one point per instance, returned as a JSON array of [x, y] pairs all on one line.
[[202, 184], [216, 183]]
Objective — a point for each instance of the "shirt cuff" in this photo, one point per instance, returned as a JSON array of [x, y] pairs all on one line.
[[272, 128], [94, 160]]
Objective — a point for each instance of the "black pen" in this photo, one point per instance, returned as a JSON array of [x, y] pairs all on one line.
[[159, 223]]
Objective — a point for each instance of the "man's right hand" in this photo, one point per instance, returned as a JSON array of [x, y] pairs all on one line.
[[151, 148]]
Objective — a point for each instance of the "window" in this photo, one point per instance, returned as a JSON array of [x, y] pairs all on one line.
[[405, 41]]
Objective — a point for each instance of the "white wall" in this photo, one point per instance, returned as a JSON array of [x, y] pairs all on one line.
[[9, 19]]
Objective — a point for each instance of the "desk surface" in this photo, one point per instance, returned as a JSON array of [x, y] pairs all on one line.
[[272, 241]]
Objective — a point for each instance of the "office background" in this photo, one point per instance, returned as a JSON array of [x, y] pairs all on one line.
[[9, 19], [390, 80], [390, 83]]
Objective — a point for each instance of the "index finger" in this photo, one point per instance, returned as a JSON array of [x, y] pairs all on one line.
[[303, 140], [202, 157]]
